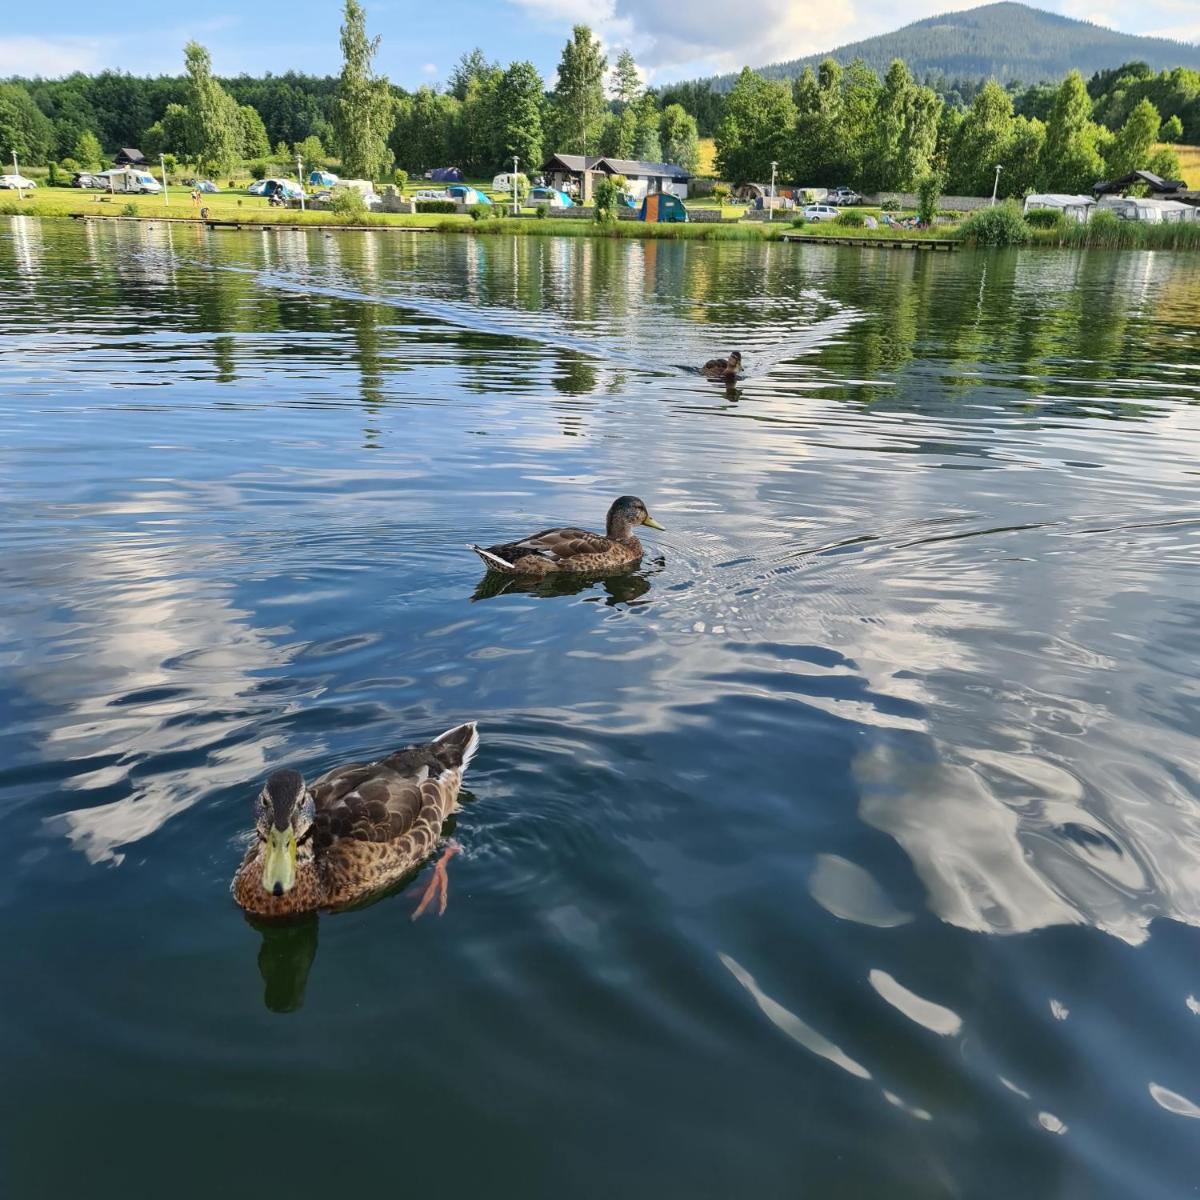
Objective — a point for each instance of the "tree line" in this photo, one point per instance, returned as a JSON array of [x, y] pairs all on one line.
[[486, 115], [841, 125]]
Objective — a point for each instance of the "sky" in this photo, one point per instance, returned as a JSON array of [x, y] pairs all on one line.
[[421, 41]]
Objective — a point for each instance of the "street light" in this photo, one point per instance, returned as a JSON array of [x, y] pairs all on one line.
[[20, 189], [162, 162], [771, 214], [300, 177], [996, 185], [514, 183]]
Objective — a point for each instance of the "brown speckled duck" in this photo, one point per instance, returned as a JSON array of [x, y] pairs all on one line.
[[724, 370], [576, 550], [353, 831]]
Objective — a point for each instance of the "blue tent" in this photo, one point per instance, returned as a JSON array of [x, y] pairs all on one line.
[[467, 195], [556, 199], [322, 178], [446, 175], [662, 206]]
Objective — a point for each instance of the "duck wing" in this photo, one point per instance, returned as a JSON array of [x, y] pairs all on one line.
[[556, 546], [391, 798], [717, 364]]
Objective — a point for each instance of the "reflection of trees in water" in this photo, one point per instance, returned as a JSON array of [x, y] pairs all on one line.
[[575, 374]]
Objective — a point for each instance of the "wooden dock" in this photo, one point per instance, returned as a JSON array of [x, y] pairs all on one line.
[[897, 243]]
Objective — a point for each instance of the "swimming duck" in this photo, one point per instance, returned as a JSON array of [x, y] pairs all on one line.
[[724, 370], [354, 830], [569, 549]]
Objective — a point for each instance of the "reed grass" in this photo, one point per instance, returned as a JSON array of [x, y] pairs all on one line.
[[1107, 232]]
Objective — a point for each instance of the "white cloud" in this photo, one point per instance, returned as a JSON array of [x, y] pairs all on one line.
[[429, 69], [52, 56]]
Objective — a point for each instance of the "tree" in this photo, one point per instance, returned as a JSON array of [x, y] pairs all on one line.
[[1071, 160], [981, 141], [471, 66], [818, 152], [424, 124], [255, 143], [1172, 129], [24, 128], [579, 94], [646, 145], [860, 102], [476, 135], [1130, 150], [680, 139], [1022, 158], [626, 82], [362, 108], [87, 151], [522, 100], [171, 133], [310, 152], [756, 128], [213, 136]]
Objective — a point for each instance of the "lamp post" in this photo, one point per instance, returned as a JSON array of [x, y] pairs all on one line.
[[20, 190], [162, 162], [771, 214], [996, 185], [300, 178], [516, 209]]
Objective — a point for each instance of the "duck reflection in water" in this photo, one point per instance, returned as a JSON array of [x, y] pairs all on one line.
[[623, 587]]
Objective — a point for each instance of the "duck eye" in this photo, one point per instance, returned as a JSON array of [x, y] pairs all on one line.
[[265, 802]]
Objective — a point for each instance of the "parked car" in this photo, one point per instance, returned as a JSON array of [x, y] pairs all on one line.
[[88, 179], [820, 212], [16, 181], [844, 195], [429, 194]]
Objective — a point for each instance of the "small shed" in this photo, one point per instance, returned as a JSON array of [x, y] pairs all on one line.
[[1076, 208], [129, 156]]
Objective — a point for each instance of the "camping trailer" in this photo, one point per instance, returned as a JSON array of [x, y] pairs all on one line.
[[129, 180]]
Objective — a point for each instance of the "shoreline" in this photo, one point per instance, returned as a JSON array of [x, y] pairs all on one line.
[[1132, 236]]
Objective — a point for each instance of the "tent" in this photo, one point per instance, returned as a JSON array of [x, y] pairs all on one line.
[[1077, 208], [467, 195], [662, 206], [446, 175], [322, 178], [551, 196]]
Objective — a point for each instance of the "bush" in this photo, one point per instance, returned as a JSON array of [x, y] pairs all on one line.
[[349, 203], [259, 169], [129, 210], [436, 206], [1001, 225], [721, 193], [1044, 218], [542, 211], [604, 197], [400, 178], [799, 220], [480, 212], [889, 204], [852, 218]]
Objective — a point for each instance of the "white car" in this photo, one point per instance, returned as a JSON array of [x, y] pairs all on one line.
[[820, 212], [428, 194], [16, 181]]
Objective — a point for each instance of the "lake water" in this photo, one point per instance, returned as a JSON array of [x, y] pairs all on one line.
[[849, 848]]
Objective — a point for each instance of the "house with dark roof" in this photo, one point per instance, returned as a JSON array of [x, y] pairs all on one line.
[[575, 174], [1156, 184], [129, 156]]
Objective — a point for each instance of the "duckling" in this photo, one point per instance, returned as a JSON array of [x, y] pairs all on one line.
[[569, 549], [354, 830], [724, 370]]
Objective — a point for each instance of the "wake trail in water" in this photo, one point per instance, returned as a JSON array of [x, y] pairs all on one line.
[[815, 335]]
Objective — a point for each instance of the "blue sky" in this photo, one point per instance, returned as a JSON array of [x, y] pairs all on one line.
[[422, 40]]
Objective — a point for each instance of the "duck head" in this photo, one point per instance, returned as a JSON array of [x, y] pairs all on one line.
[[626, 513], [283, 818]]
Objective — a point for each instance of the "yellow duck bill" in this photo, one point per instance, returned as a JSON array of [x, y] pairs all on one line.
[[651, 523], [279, 861]]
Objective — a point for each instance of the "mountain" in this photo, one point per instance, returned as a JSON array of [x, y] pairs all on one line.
[[1004, 41]]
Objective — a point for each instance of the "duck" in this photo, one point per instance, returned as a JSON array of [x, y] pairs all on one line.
[[724, 370], [575, 550], [354, 830]]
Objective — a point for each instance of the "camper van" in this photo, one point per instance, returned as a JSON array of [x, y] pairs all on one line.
[[128, 180]]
